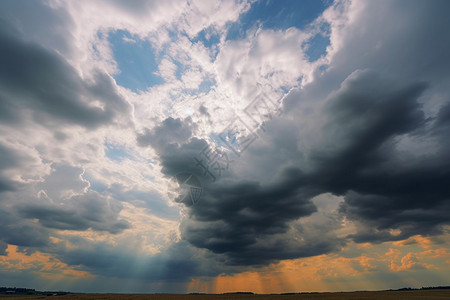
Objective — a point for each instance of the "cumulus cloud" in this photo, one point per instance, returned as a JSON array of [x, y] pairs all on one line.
[[373, 126], [350, 149], [88, 211], [39, 84], [247, 222]]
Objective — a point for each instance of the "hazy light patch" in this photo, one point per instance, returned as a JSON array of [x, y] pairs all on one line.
[[153, 232], [417, 146]]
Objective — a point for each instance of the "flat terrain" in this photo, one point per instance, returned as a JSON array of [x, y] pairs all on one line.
[[397, 295]]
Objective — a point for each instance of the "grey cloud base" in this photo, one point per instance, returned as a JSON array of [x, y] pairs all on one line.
[[250, 223], [38, 84]]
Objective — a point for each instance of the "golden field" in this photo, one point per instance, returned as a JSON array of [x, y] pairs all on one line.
[[397, 295]]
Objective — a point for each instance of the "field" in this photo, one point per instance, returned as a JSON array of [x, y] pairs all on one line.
[[397, 295]]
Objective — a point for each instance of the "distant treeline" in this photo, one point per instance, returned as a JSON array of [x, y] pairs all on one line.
[[424, 288], [14, 290], [25, 291]]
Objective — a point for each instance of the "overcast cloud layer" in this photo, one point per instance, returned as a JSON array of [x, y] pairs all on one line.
[[100, 112]]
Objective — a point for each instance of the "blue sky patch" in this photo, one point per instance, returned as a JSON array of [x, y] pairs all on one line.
[[208, 37], [116, 153], [204, 87], [280, 14], [180, 69], [317, 46], [94, 185], [137, 61]]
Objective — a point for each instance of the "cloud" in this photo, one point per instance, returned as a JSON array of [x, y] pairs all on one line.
[[65, 203], [176, 263], [9, 159], [152, 201], [269, 58], [64, 181], [347, 145], [30, 215], [40, 23], [16, 231], [170, 132], [246, 221], [358, 156], [375, 135], [358, 153], [87, 211], [39, 84]]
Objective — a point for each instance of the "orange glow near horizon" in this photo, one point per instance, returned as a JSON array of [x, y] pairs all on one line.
[[356, 267], [410, 262], [42, 264]]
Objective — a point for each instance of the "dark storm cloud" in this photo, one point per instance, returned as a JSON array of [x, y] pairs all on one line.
[[3, 247], [413, 195], [384, 145], [242, 220], [173, 143], [362, 116], [8, 159], [358, 158], [250, 223], [443, 117], [38, 83], [16, 231], [355, 157], [90, 210]]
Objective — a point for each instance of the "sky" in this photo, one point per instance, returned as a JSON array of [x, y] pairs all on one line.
[[219, 146]]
